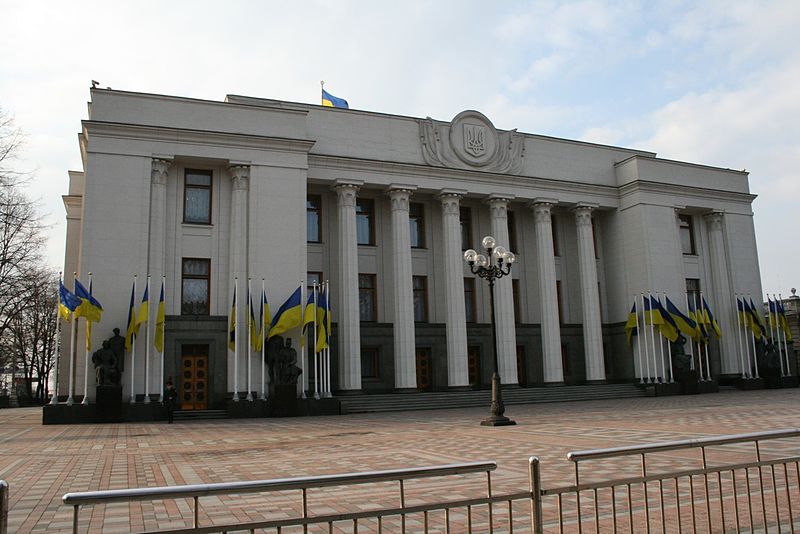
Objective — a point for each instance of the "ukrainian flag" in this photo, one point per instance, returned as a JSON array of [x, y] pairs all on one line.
[[89, 308], [323, 321], [289, 315], [328, 100], [309, 312], [631, 325], [232, 323], [133, 328], [651, 314], [667, 327], [783, 321], [711, 320], [700, 335], [144, 308], [742, 314], [67, 302], [756, 325], [685, 324], [266, 318], [160, 316], [253, 325]]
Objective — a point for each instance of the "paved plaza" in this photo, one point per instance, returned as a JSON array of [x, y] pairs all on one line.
[[41, 463]]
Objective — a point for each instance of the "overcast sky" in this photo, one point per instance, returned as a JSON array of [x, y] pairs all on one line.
[[716, 83]]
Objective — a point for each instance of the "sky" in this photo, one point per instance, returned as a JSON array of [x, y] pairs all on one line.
[[710, 82]]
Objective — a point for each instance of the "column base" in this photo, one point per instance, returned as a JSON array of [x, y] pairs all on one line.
[[498, 420]]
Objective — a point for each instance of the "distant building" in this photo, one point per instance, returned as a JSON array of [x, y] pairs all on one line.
[[383, 206]]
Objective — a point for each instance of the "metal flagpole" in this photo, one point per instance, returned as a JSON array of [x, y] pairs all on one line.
[[161, 374], [328, 392], [147, 346], [773, 318], [653, 340], [263, 335], [708, 365], [739, 333], [236, 331], [753, 340], [639, 342], [73, 342], [54, 397], [691, 341], [785, 349], [85, 400], [669, 349], [133, 344], [250, 321], [316, 354], [303, 382], [644, 333]]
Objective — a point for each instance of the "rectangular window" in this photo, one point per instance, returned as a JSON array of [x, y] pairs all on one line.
[[515, 295], [197, 197], [195, 286], [693, 292], [420, 284], [560, 302], [365, 221], [370, 363], [469, 299], [366, 297], [416, 222], [512, 232], [465, 218], [687, 234], [313, 219], [556, 244]]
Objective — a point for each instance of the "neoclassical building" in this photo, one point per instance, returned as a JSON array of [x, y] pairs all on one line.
[[383, 206]]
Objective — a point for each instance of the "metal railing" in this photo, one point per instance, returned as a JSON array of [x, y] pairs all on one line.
[[464, 523], [695, 500], [3, 507]]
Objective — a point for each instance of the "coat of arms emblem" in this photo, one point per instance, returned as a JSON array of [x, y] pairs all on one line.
[[474, 139]]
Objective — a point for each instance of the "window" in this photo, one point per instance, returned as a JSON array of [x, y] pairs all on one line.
[[594, 240], [687, 234], [515, 296], [512, 232], [313, 219], [370, 363], [365, 221], [560, 302], [465, 218], [313, 277], [420, 284], [197, 197], [693, 292], [556, 245], [416, 221], [469, 299], [195, 286], [366, 297]]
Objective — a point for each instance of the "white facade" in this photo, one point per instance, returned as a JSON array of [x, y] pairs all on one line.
[[594, 226]]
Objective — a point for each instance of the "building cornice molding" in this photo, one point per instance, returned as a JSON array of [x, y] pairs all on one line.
[[163, 134], [646, 186]]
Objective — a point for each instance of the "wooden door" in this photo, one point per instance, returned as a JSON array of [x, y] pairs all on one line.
[[194, 378], [423, 369]]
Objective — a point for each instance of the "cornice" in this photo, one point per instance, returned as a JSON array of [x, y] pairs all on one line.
[[645, 186], [194, 137]]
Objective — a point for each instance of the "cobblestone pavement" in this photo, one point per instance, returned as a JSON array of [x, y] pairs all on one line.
[[41, 463]]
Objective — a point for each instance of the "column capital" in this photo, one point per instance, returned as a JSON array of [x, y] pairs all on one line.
[[541, 208], [399, 197], [583, 213], [714, 220], [451, 200], [498, 205], [159, 169], [497, 197], [347, 191], [240, 176]]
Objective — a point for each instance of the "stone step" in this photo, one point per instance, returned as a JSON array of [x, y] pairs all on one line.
[[467, 399], [192, 415]]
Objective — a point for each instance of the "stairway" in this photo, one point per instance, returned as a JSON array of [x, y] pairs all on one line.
[[393, 402], [196, 415]]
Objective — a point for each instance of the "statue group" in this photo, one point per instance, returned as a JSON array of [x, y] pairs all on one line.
[[109, 361]]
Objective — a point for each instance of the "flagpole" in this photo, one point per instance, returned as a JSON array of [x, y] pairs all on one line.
[[773, 319], [133, 345], [236, 331], [263, 334], [691, 341], [753, 338], [708, 341], [304, 374], [785, 348], [669, 346], [739, 333], [73, 342], [638, 340], [85, 400], [327, 355], [646, 349], [161, 375], [653, 341], [251, 321], [54, 398], [147, 348]]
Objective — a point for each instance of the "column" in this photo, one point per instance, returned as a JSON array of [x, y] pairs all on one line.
[[590, 297], [240, 178], [721, 301], [456, 315], [157, 247], [349, 330], [545, 256], [405, 368], [503, 295]]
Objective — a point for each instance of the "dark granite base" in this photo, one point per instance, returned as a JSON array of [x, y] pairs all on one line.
[[790, 382], [62, 414], [245, 409], [709, 386], [664, 390], [750, 383]]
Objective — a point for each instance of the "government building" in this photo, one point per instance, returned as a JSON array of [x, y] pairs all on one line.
[[383, 207]]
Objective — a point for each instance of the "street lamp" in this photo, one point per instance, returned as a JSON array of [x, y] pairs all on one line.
[[495, 264]]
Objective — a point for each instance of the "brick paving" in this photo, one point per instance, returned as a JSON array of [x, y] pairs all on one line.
[[41, 463]]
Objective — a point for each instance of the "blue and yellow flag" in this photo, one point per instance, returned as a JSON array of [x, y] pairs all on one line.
[[89, 308], [742, 314], [685, 325], [160, 317], [133, 328], [288, 317], [652, 315], [328, 100], [252, 324], [783, 321], [67, 302], [232, 323], [631, 328], [309, 312], [266, 319], [758, 328], [701, 334], [323, 329], [773, 314], [144, 308], [667, 327]]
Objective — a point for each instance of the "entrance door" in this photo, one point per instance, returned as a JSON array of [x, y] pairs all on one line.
[[423, 369], [474, 366], [194, 377]]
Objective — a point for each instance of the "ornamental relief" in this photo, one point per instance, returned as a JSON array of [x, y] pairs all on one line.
[[470, 141]]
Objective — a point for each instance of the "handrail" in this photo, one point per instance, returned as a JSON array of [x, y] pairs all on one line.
[[595, 454], [3, 507], [279, 484]]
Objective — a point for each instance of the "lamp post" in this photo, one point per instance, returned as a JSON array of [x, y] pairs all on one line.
[[495, 264]]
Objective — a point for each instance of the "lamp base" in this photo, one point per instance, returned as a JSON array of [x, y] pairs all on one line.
[[498, 420]]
